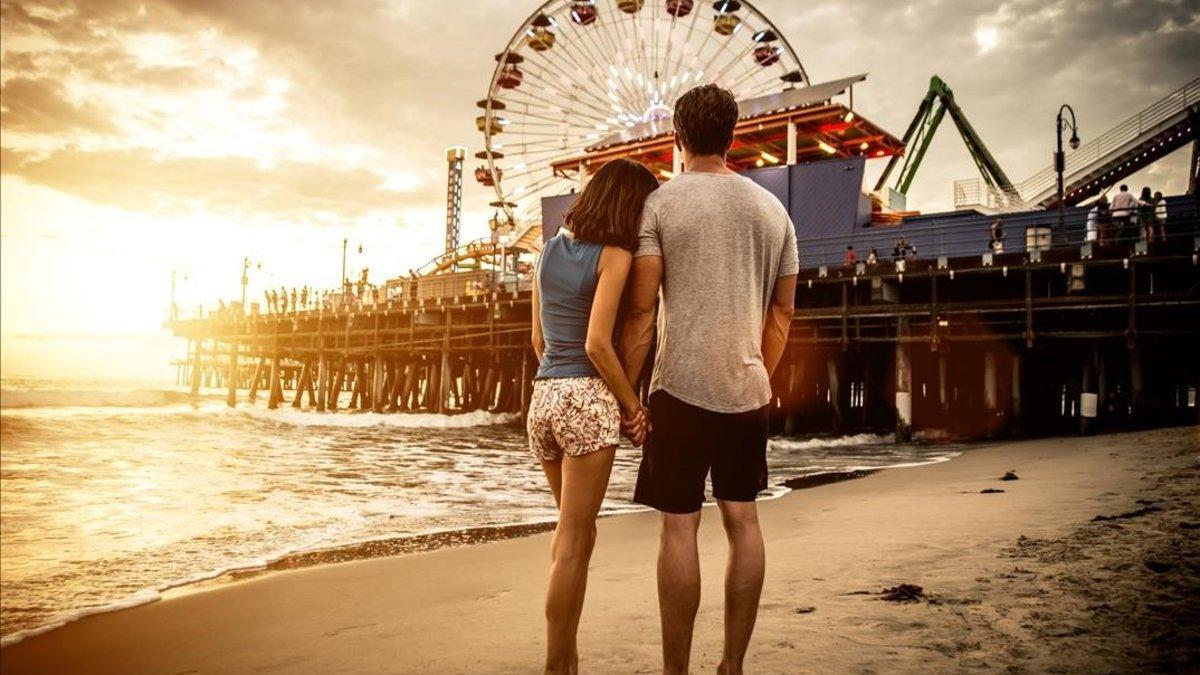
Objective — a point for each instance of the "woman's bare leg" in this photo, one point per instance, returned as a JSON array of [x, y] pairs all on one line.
[[584, 480], [553, 471]]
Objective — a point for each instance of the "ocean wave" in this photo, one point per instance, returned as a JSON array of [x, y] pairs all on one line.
[[106, 402], [841, 441], [307, 418], [137, 599], [89, 398]]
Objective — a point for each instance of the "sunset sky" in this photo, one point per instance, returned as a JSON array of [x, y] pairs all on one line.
[[145, 137]]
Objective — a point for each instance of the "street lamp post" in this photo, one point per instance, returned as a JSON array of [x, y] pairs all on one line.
[[342, 281], [174, 306], [246, 262], [245, 280], [234, 373], [1060, 164]]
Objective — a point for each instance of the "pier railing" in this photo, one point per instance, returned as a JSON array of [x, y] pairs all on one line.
[[969, 234], [1150, 119]]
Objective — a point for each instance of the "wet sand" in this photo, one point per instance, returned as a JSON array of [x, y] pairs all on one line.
[[1024, 580]]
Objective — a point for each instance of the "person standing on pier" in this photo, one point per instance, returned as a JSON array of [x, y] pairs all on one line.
[[581, 395], [1124, 205], [1145, 215], [1160, 216], [996, 236], [722, 251]]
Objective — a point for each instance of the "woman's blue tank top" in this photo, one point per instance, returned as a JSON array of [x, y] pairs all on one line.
[[566, 278]]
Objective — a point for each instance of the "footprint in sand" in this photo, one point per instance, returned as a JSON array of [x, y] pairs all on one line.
[[338, 631], [494, 596]]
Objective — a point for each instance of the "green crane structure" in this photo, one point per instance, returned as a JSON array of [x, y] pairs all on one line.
[[938, 101]]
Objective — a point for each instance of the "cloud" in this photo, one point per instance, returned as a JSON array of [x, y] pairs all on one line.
[[389, 85], [138, 179], [41, 106], [1107, 58]]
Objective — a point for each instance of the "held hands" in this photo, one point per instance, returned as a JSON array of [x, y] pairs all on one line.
[[636, 425]]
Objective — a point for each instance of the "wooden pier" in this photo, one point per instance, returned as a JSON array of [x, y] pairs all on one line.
[[1064, 340], [446, 355]]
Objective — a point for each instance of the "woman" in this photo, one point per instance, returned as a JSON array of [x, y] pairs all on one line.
[[581, 395], [1145, 214]]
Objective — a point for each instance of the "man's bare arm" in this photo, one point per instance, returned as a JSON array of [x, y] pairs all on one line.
[[640, 297], [778, 321]]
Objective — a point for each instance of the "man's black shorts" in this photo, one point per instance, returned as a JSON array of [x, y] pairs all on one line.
[[687, 441]]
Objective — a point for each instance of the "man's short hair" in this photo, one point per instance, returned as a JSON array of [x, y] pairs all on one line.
[[1124, 188], [704, 120]]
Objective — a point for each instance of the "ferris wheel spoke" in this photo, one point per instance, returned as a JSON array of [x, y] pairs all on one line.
[[564, 77], [586, 115], [750, 73], [709, 67], [554, 86], [628, 28], [681, 54], [619, 55], [576, 43], [734, 61], [670, 41], [586, 40], [550, 86], [624, 90]]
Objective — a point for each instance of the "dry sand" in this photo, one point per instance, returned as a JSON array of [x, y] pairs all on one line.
[[1019, 581]]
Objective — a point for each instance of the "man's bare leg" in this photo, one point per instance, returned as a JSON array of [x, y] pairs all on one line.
[[678, 588], [584, 480], [743, 580]]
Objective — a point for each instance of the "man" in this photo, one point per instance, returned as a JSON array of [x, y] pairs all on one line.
[[723, 252], [851, 257], [1124, 207]]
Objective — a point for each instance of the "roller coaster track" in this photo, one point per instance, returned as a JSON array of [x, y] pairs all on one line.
[[472, 250]]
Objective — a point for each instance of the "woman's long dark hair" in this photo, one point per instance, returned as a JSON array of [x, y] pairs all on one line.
[[609, 210]]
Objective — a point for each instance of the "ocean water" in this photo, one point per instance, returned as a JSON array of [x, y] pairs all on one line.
[[111, 493]]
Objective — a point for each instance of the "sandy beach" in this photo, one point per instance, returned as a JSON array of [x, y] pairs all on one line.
[[1024, 580]]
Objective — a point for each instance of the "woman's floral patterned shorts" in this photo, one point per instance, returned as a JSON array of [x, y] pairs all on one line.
[[572, 416]]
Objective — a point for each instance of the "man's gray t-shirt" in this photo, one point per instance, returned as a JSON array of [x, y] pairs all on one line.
[[724, 241]]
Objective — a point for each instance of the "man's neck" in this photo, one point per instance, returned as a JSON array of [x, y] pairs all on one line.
[[706, 164]]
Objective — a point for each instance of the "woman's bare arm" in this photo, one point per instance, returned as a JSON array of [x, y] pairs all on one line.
[[539, 342], [612, 271]]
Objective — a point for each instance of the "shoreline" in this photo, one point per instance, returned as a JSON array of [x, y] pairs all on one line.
[[1064, 571], [383, 547]]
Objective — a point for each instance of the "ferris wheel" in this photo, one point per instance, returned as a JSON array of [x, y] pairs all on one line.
[[577, 71]]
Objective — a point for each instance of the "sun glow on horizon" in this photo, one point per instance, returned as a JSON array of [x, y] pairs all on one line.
[[145, 143]]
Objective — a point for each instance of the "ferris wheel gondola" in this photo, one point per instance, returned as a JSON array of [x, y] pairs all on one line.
[[577, 71]]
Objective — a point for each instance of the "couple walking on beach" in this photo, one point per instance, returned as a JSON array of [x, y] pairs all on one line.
[[721, 251]]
